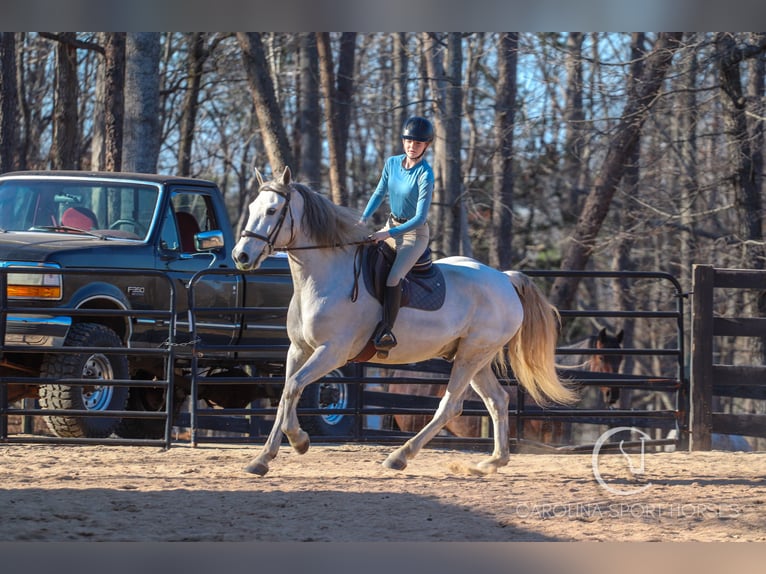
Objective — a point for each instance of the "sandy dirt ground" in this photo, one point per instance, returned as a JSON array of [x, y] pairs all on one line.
[[342, 493]]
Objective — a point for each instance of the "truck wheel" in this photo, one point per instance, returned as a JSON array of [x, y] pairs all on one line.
[[330, 397], [96, 397]]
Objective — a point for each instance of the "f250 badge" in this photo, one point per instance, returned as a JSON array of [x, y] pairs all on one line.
[[135, 291]]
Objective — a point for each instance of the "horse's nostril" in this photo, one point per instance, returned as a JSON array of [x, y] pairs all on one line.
[[242, 257]]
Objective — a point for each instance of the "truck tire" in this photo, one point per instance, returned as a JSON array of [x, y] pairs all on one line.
[[330, 397], [96, 366]]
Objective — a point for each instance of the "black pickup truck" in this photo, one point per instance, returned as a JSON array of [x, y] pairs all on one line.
[[139, 240]]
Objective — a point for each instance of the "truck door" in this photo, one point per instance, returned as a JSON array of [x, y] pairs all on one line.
[[190, 213]]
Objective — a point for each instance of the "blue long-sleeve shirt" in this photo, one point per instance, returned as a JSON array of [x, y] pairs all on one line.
[[409, 193]]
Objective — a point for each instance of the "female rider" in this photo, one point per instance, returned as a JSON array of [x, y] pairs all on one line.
[[408, 181]]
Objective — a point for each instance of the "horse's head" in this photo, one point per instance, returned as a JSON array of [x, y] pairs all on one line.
[[608, 363], [265, 229]]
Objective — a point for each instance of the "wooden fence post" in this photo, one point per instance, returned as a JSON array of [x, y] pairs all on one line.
[[701, 392]]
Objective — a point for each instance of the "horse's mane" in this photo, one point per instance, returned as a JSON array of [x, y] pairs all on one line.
[[325, 222]]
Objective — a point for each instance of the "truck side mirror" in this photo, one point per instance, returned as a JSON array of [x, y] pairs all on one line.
[[206, 240]]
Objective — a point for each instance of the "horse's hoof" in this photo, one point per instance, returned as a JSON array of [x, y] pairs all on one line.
[[395, 463], [485, 467], [257, 467], [301, 446], [492, 464]]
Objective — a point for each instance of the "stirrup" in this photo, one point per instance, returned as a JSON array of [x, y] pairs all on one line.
[[384, 342]]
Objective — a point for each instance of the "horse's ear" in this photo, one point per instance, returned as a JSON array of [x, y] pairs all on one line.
[[258, 178], [286, 176], [602, 335]]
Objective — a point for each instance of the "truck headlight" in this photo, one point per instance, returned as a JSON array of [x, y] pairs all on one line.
[[45, 286]]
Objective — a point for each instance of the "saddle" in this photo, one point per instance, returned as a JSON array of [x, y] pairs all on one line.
[[422, 288]]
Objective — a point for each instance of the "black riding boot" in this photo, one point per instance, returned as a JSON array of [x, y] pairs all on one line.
[[384, 339]]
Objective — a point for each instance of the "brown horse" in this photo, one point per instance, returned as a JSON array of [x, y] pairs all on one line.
[[544, 431], [597, 362]]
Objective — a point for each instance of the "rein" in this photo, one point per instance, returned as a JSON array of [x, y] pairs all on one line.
[[333, 246]]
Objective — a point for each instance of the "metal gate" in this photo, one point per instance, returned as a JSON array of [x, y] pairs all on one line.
[[660, 368], [656, 366], [17, 375]]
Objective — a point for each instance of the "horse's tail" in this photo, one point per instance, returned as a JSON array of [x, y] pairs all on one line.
[[531, 352]]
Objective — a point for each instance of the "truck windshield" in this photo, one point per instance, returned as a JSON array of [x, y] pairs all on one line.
[[108, 208]]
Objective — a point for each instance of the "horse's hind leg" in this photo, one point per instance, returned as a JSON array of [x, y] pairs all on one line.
[[450, 406], [496, 399]]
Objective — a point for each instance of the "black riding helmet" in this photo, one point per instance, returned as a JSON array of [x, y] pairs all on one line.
[[418, 129]]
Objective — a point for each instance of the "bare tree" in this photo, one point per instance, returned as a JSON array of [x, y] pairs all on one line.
[[433, 56], [142, 102], [196, 55], [400, 61], [689, 181], [8, 103], [114, 99], [501, 253], [309, 147], [458, 239], [730, 55], [64, 151], [574, 167], [620, 149], [337, 96], [267, 108]]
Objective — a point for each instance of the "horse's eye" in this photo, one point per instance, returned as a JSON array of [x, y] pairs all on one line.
[[271, 211]]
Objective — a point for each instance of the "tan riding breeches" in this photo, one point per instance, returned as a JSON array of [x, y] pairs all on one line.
[[409, 247]]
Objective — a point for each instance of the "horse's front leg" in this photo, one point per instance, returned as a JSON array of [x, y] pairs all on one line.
[[321, 362], [260, 464]]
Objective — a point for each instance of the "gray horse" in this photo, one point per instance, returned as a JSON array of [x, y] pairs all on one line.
[[489, 319]]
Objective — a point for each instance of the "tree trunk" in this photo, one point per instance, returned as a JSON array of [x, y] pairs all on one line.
[[8, 103], [400, 63], [689, 185], [442, 228], [621, 147], [453, 105], [114, 99], [309, 144], [141, 137], [326, 80], [501, 250], [195, 62], [627, 214], [65, 124], [97, 145], [266, 106], [574, 166], [345, 95], [337, 96]]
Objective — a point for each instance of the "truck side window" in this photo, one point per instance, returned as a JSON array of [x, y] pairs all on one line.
[[188, 227], [193, 213], [169, 234]]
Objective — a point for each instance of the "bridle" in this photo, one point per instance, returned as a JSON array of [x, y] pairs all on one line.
[[271, 237]]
